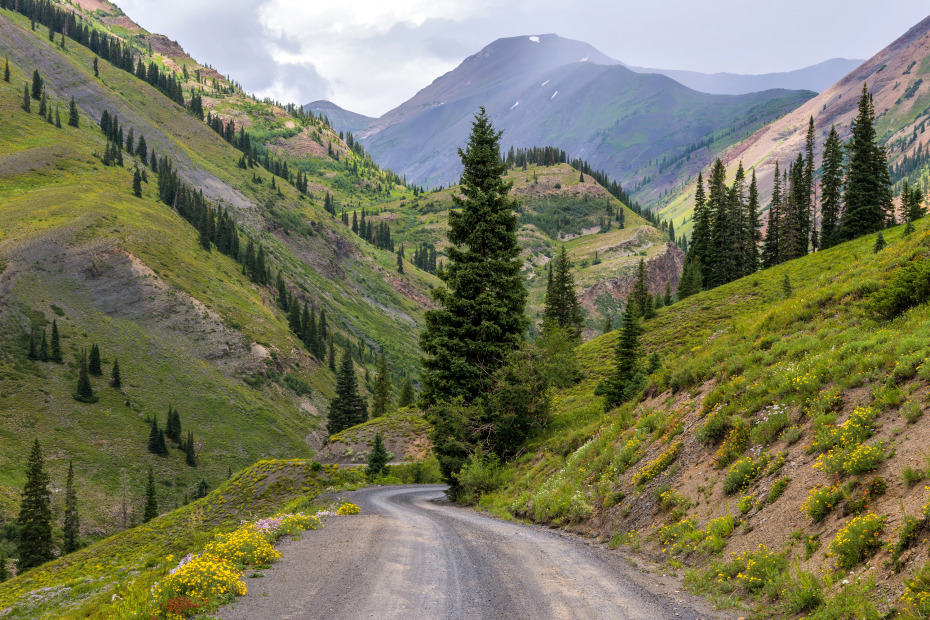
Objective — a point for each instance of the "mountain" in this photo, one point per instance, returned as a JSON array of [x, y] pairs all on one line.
[[815, 78], [340, 119], [148, 276], [898, 78], [546, 90]]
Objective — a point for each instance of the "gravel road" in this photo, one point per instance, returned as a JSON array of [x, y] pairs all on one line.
[[412, 554]]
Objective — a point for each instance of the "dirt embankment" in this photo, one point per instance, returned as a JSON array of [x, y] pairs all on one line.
[[664, 268]]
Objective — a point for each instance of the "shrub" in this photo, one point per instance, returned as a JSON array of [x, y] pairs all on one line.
[[804, 593], [912, 412], [858, 540], [656, 466], [771, 422], [791, 434], [875, 488], [744, 504], [741, 474], [852, 432], [907, 535], [852, 460], [820, 501], [761, 567], [909, 286], [912, 476], [916, 599], [778, 487], [244, 546], [734, 445], [715, 427], [203, 577], [348, 508], [481, 474]]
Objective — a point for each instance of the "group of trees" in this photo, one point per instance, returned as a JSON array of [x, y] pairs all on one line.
[[312, 328], [36, 544], [39, 348], [855, 199], [90, 365], [39, 93], [157, 443]]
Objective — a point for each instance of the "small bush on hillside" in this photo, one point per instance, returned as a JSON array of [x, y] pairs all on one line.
[[858, 540], [916, 600], [820, 501], [481, 474], [907, 287], [742, 473], [656, 466], [715, 427], [778, 487], [734, 445], [769, 425], [425, 471]]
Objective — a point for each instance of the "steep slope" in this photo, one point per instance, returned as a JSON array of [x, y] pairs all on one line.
[[777, 423], [817, 78], [898, 78], [547, 90], [340, 119], [188, 326]]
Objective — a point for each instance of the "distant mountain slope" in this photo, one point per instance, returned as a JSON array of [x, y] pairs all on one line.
[[546, 90], [816, 78], [341, 119], [898, 78]]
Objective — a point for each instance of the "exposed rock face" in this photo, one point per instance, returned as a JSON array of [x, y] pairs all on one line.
[[660, 270]]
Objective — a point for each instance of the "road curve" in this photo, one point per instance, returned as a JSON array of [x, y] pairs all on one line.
[[411, 554]]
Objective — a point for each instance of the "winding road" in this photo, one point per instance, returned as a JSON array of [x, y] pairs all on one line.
[[412, 554]]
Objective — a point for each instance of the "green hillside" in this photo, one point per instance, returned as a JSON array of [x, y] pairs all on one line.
[[744, 419], [188, 326]]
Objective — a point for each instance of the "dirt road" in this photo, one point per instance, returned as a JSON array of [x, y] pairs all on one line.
[[411, 554]]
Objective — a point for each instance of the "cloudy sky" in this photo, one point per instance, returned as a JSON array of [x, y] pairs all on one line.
[[371, 55]]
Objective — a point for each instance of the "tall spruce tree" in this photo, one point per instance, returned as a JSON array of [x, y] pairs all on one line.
[[4, 569], [771, 254], [348, 407], [43, 347], [718, 267], [751, 233], [407, 396], [55, 352], [35, 515], [116, 380], [627, 377], [37, 85], [810, 198], [72, 522], [84, 392], [562, 309], [74, 119], [93, 361], [27, 102], [137, 184], [480, 319], [868, 195], [150, 509], [831, 189], [6, 71], [381, 399], [190, 456], [33, 352], [700, 238]]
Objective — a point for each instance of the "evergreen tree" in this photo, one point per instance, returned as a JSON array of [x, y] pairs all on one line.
[[831, 192], [283, 294], [562, 309], [93, 362], [332, 353], [480, 319], [719, 263], [57, 118], [173, 425], [668, 294], [880, 243], [43, 348], [627, 377], [6, 71], [639, 293], [72, 522], [700, 238], [150, 510], [137, 184], [96, 68], [190, 457], [381, 399], [37, 85], [4, 570], [868, 194], [35, 515], [407, 396], [608, 325], [400, 260], [377, 459], [33, 353], [55, 353], [690, 282], [771, 247], [809, 231], [85, 392], [915, 206], [115, 379], [27, 102], [751, 234], [786, 287], [348, 407], [293, 318], [74, 120]]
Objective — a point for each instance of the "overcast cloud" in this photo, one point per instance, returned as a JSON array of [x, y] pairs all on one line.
[[371, 55]]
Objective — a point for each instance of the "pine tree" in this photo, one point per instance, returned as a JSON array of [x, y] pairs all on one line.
[[831, 193], [332, 353], [283, 294], [407, 396], [93, 362], [868, 193], [43, 348], [690, 282], [751, 234], [43, 105], [4, 570], [35, 515], [57, 117], [667, 300], [400, 260], [115, 380], [627, 377], [809, 231], [639, 293], [880, 243], [348, 407], [72, 522], [27, 102], [915, 209], [55, 353], [377, 458], [700, 238], [85, 392], [480, 319], [37, 85], [74, 120], [608, 325], [562, 309], [190, 457], [33, 353], [719, 264], [6, 71], [381, 399], [150, 510], [137, 184], [786, 287], [771, 247], [96, 68]]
